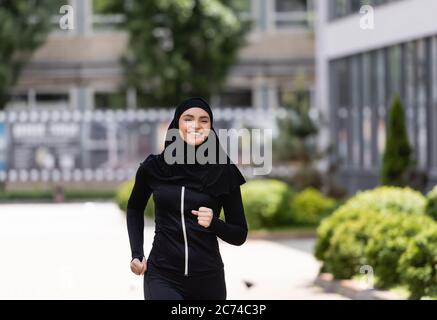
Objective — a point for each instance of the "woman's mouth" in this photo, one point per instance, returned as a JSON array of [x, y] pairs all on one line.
[[195, 134]]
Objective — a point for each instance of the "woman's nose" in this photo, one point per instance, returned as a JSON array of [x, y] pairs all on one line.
[[197, 125]]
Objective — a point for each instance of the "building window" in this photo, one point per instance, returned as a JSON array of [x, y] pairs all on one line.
[[362, 88], [381, 105], [434, 100], [341, 8], [110, 100], [410, 92], [422, 83], [341, 101], [236, 98], [394, 74], [291, 13], [367, 110]]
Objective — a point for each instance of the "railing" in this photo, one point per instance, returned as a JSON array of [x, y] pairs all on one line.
[[94, 145]]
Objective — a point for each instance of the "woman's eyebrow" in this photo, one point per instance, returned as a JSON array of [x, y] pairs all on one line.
[[204, 117]]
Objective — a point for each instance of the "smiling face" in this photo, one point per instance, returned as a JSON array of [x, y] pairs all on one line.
[[194, 125]]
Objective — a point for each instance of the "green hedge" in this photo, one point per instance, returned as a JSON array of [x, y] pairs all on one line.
[[123, 194], [387, 229], [266, 203], [431, 203], [310, 206], [418, 264], [388, 242], [389, 199]]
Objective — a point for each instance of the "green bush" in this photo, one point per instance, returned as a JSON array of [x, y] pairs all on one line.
[[418, 264], [431, 203], [389, 199], [388, 242], [266, 203], [387, 229], [123, 194], [329, 225], [345, 253], [310, 206], [397, 153], [383, 200]]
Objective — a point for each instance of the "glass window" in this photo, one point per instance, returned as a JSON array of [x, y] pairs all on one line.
[[110, 100], [340, 97], [356, 110], [422, 83], [410, 91], [236, 98], [342, 8], [51, 99], [367, 111], [291, 13], [381, 80], [375, 105], [394, 75], [434, 101]]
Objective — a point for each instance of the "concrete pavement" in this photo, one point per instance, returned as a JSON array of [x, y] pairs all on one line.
[[81, 251]]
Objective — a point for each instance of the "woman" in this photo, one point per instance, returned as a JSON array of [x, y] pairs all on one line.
[[185, 261]]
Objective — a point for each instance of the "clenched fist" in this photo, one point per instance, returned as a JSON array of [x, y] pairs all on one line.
[[204, 216], [138, 267]]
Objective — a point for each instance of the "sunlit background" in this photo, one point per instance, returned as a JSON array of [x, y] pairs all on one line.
[[87, 91]]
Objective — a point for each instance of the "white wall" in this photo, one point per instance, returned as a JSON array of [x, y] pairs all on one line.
[[395, 22]]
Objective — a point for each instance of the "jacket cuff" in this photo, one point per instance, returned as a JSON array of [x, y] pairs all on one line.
[[214, 223], [137, 257]]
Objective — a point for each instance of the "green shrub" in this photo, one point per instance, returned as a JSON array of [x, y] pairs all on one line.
[[387, 229], [345, 252], [383, 200], [418, 264], [123, 194], [390, 199], [397, 153], [310, 206], [329, 225], [388, 242], [431, 203], [266, 203]]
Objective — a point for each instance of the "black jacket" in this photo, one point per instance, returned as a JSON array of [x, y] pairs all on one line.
[[180, 244]]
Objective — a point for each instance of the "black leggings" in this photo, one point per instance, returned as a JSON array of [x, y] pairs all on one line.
[[162, 286]]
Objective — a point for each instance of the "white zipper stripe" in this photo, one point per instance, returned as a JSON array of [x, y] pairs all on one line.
[[184, 230]]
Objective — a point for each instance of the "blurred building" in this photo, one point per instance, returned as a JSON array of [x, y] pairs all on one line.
[[80, 69], [360, 70], [61, 127]]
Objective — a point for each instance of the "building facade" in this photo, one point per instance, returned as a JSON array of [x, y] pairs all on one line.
[[359, 71], [80, 69]]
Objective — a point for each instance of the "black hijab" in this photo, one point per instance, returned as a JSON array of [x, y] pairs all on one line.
[[213, 178]]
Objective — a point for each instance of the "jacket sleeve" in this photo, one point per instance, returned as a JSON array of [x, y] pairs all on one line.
[[234, 229], [135, 213]]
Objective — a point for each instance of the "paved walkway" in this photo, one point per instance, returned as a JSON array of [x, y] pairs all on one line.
[[81, 251]]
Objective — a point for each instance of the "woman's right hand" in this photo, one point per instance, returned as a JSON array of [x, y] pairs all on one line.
[[138, 267]]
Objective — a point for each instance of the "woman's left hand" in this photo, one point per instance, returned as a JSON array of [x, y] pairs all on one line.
[[204, 216]]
